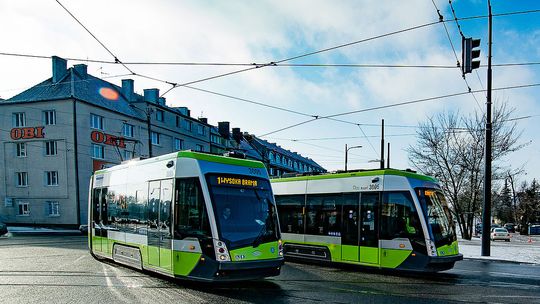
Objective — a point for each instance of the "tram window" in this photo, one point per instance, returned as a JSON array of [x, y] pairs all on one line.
[[166, 200], [191, 218], [99, 206], [399, 217], [323, 214], [290, 213]]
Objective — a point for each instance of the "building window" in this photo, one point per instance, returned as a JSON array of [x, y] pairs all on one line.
[[96, 121], [201, 130], [199, 148], [215, 139], [24, 209], [19, 119], [51, 178], [128, 155], [127, 130], [53, 208], [22, 179], [188, 125], [8, 202], [49, 117], [178, 144], [98, 151], [21, 149], [51, 148], [155, 138], [159, 115]]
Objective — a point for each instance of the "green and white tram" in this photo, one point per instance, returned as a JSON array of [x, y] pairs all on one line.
[[380, 218], [187, 215]]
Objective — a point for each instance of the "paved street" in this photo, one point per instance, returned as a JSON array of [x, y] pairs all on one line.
[[58, 269]]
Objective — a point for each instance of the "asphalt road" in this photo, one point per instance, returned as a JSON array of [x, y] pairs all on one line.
[[58, 269]]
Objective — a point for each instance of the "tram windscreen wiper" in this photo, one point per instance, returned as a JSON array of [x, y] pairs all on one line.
[[262, 233]]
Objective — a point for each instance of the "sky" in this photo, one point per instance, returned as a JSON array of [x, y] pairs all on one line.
[[261, 32]]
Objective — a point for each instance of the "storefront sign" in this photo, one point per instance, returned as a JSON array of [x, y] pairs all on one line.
[[27, 133], [108, 139]]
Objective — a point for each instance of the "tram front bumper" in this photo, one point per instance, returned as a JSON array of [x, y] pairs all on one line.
[[248, 269], [439, 263]]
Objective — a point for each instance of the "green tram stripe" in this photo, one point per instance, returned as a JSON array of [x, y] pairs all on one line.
[[357, 174], [221, 159]]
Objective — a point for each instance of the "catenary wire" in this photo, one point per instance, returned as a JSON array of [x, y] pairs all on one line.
[[398, 104]]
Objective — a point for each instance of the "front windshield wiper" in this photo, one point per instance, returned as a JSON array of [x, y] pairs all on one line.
[[258, 239]]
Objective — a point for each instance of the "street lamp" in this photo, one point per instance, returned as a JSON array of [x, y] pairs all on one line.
[[347, 152]]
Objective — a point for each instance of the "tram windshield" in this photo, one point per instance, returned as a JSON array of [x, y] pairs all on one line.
[[244, 209], [438, 216]]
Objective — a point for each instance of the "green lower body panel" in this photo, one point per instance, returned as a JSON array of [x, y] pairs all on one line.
[[392, 258], [448, 250], [262, 252], [185, 262], [360, 255], [348, 253]]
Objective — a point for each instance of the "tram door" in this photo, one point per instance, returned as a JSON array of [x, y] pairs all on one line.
[[159, 224], [369, 228], [99, 219], [359, 237]]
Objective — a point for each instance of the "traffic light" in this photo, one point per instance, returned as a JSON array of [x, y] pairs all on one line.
[[469, 53]]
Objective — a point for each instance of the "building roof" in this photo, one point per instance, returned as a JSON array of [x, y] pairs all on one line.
[[81, 86], [293, 155]]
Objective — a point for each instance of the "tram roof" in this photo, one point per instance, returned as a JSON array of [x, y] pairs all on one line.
[[190, 154], [375, 172]]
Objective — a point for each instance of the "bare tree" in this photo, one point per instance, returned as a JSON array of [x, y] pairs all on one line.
[[450, 147]]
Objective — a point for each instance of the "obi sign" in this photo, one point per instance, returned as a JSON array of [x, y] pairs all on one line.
[[108, 139], [27, 133]]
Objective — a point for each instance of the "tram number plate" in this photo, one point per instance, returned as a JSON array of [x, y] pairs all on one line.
[[374, 186]]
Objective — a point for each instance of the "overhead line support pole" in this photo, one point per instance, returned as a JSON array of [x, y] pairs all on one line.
[[486, 216]]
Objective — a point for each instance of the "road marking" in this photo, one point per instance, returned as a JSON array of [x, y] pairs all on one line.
[[80, 258]]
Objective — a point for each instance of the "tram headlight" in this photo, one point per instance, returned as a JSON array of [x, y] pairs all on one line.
[[432, 250], [222, 254], [280, 248]]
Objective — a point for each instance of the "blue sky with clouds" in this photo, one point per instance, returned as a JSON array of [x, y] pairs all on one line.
[[266, 31]]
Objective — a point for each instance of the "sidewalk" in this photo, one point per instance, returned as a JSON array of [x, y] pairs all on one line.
[[519, 249], [40, 230]]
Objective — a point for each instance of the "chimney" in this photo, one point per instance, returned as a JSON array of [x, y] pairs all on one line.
[[237, 134], [161, 100], [82, 70], [128, 89], [59, 68], [151, 95], [203, 120], [223, 129]]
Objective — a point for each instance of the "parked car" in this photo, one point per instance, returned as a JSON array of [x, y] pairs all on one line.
[[500, 234], [511, 227], [83, 229], [3, 229]]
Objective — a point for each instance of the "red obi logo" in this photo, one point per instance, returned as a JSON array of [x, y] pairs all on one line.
[[27, 133]]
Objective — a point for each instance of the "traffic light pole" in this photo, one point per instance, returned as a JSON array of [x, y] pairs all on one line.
[[486, 216]]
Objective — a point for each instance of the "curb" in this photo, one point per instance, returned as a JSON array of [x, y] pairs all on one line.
[[55, 232], [492, 260]]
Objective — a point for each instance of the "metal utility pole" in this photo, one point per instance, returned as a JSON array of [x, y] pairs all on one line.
[[148, 115], [382, 144], [486, 216], [347, 152], [388, 157]]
